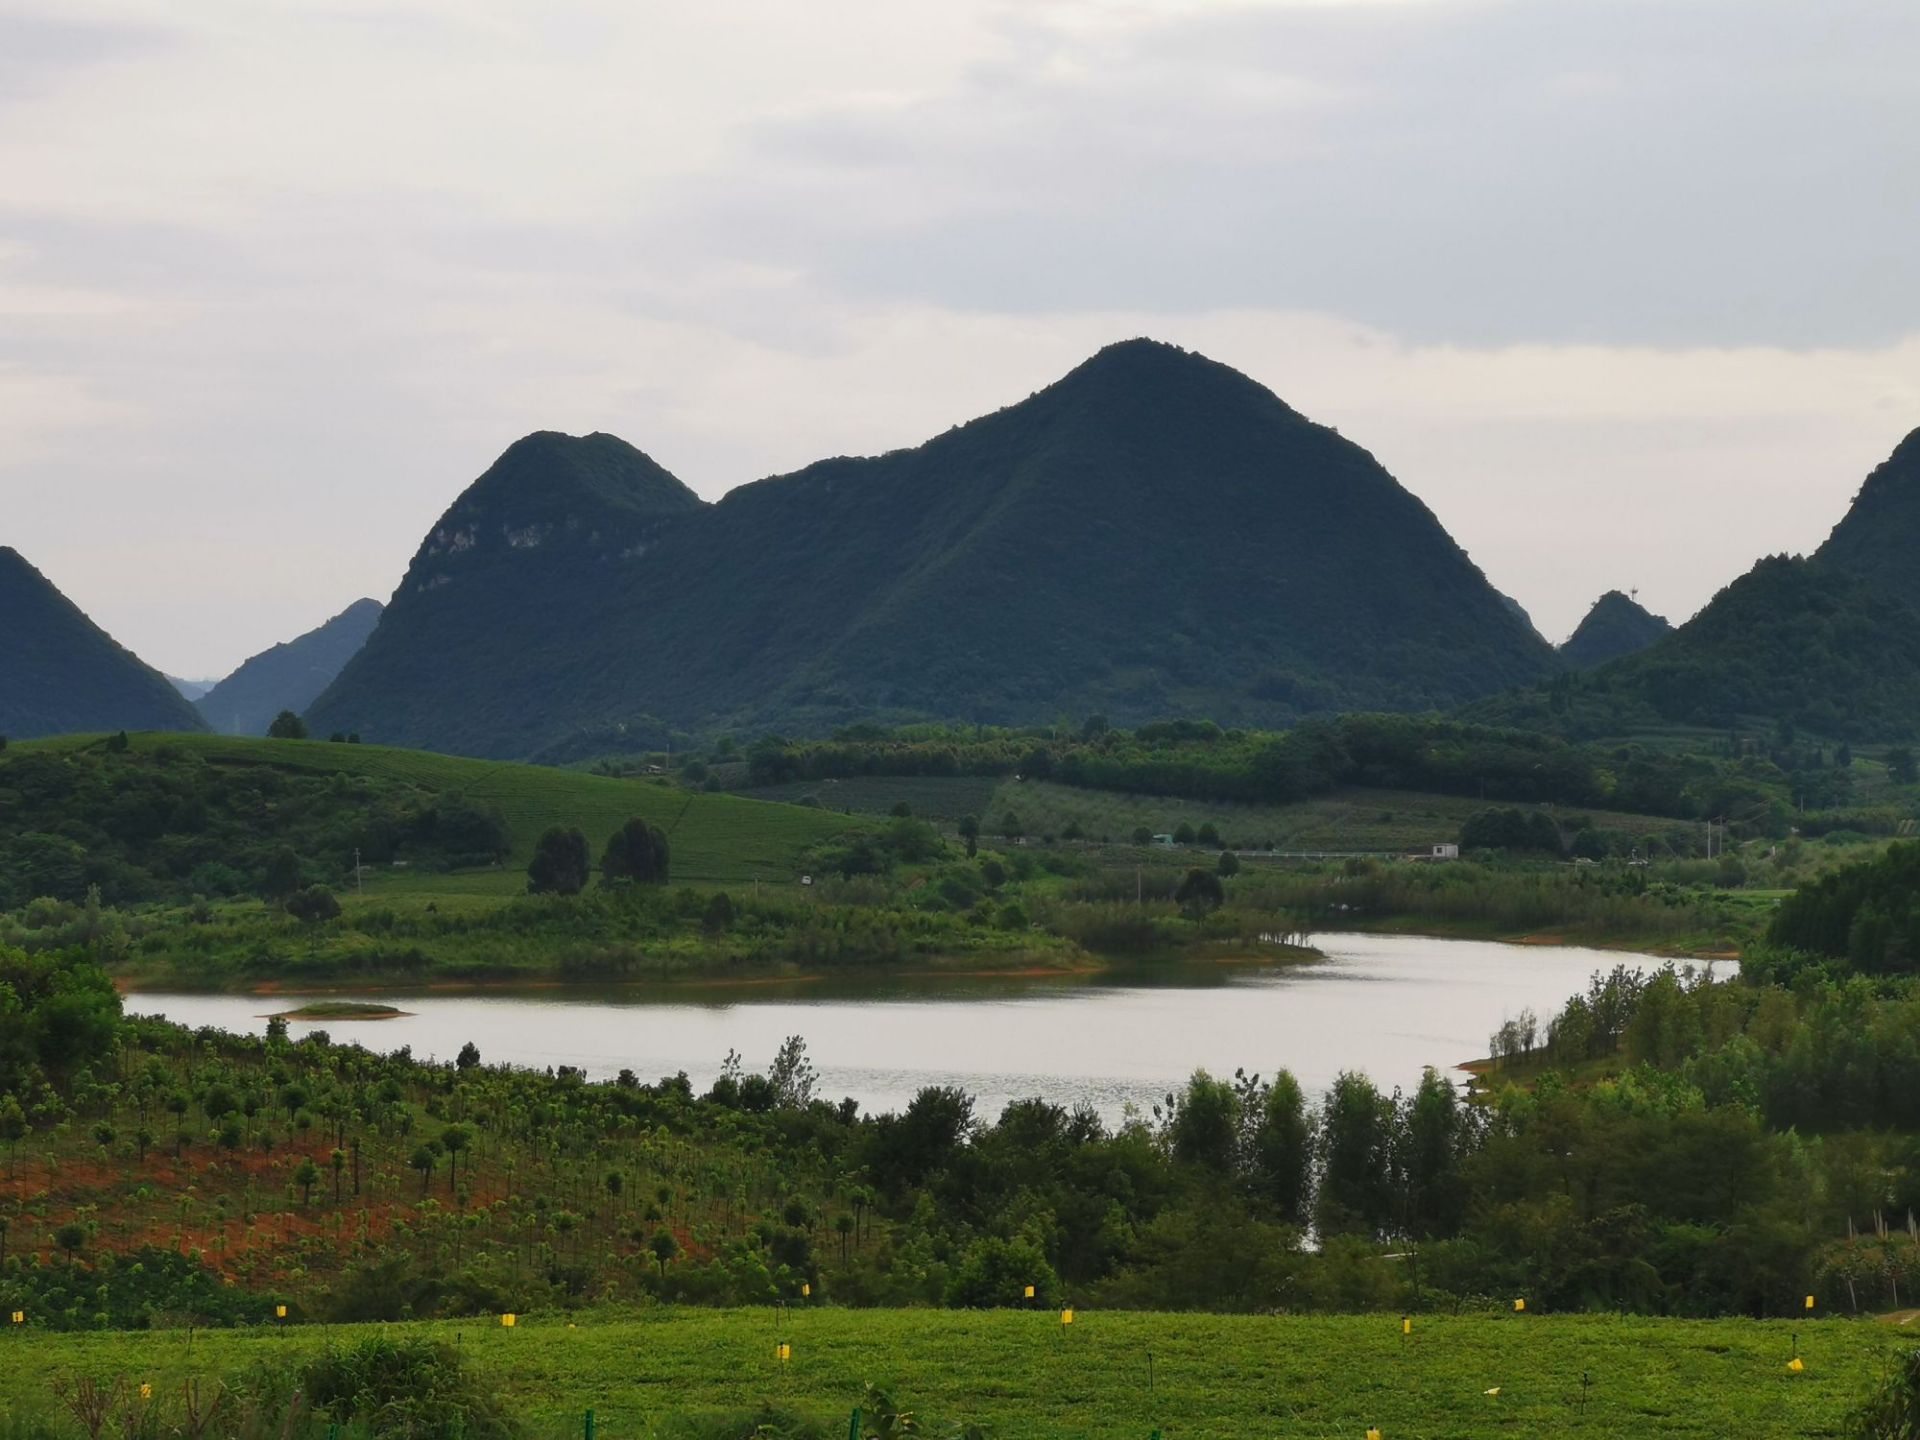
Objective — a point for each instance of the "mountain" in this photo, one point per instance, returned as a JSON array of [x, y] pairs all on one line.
[[1153, 534], [288, 676], [191, 689], [1791, 640], [1617, 625], [60, 673], [1879, 537]]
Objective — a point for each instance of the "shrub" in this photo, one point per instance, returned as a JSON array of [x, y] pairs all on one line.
[[416, 1389], [313, 905]]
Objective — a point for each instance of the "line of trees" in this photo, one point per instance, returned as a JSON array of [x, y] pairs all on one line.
[[638, 853]]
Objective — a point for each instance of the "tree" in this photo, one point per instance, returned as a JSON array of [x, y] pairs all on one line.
[[1282, 1158], [1183, 833], [425, 1157], [455, 1140], [306, 1175], [1207, 835], [287, 726], [13, 1129], [970, 832], [791, 1076], [1206, 1123], [1010, 826], [1142, 835], [718, 918], [1229, 864], [1356, 1154], [1433, 1141], [560, 863], [636, 852], [468, 1057], [338, 1161], [281, 877], [1200, 892], [664, 1248], [314, 905], [70, 1237]]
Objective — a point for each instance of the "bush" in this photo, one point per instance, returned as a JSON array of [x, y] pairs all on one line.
[[415, 1389], [313, 905], [1892, 1412]]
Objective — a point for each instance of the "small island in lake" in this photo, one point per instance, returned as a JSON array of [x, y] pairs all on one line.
[[341, 1010]]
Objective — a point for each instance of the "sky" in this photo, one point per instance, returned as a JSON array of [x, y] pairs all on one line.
[[1627, 291]]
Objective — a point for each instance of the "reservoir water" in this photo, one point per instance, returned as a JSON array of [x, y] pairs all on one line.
[[1387, 1005]]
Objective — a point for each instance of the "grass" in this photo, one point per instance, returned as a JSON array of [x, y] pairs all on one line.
[[930, 797], [717, 839], [1023, 1378], [1350, 819]]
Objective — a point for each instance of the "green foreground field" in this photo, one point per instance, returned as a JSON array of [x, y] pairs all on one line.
[[1023, 1377]]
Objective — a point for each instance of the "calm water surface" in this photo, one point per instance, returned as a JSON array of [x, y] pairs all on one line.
[[1387, 1005]]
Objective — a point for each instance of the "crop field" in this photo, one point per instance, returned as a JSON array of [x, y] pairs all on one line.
[[1352, 819], [1024, 1376], [930, 797], [716, 838]]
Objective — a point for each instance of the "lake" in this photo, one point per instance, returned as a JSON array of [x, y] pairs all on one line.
[[1388, 1005]]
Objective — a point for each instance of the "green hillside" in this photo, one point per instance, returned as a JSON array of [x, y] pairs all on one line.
[[716, 838], [59, 672], [288, 676], [1794, 642], [1879, 536], [1617, 625], [1020, 1378], [1154, 534]]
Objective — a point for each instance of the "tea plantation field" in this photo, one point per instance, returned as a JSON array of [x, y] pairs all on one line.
[[1022, 1376], [716, 838]]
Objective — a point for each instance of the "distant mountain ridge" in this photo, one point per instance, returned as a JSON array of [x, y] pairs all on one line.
[[289, 675], [1615, 626], [1153, 534], [60, 673], [1828, 644]]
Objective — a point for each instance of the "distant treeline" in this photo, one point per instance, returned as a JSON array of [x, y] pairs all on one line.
[[1196, 759]]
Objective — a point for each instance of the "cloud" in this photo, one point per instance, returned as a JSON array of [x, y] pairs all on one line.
[[1625, 291]]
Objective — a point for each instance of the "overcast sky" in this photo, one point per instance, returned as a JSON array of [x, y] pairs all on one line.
[[1625, 290]]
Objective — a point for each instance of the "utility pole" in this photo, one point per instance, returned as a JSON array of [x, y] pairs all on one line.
[[356, 870]]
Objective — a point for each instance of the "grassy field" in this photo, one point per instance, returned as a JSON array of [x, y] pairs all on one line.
[[1351, 819], [1023, 1378], [716, 838]]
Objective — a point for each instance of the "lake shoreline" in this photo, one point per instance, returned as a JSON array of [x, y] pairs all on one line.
[[1091, 968]]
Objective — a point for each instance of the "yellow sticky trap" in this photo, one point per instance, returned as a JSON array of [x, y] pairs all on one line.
[[783, 1352], [1796, 1364], [805, 1291], [1518, 1306], [1494, 1391], [507, 1321], [570, 1324], [1406, 1324], [146, 1390], [19, 1317], [1809, 1302], [1027, 1293], [1373, 1432], [279, 1312], [1066, 1317]]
